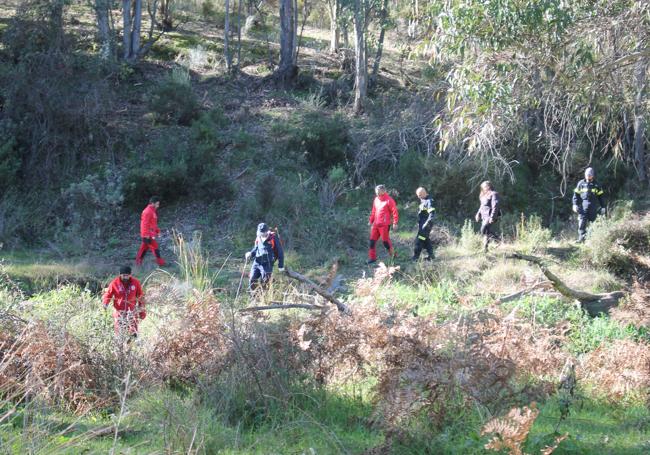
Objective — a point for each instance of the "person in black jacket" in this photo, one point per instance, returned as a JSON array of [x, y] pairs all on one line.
[[265, 252], [488, 212], [588, 202], [426, 211]]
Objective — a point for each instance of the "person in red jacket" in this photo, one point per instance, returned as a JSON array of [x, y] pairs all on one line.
[[149, 231], [383, 208], [128, 303]]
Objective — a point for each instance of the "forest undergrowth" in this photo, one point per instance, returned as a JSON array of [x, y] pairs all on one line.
[[448, 372]]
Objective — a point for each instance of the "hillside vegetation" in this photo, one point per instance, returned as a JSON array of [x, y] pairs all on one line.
[[471, 353]]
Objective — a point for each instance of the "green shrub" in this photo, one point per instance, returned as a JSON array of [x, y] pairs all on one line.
[[168, 181], [207, 129], [173, 101], [321, 140], [531, 236], [587, 333], [611, 240], [208, 10], [470, 240], [93, 201]]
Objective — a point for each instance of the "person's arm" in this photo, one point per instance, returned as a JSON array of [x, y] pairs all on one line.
[[494, 205], [371, 220], [279, 252], [576, 199], [108, 295], [394, 212]]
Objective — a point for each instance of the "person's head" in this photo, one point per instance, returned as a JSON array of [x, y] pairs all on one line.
[[125, 273], [380, 189], [589, 174], [486, 187], [263, 231], [421, 193], [155, 201]]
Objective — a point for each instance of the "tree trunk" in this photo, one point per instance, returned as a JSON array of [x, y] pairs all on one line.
[[641, 76], [287, 69], [239, 34], [102, 12], [361, 61], [383, 16], [126, 29], [226, 37], [137, 26], [333, 7]]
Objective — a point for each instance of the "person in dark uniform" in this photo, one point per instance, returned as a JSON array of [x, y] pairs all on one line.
[[488, 212], [588, 202], [426, 211], [265, 252]]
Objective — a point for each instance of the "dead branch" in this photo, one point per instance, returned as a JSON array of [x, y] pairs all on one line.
[[282, 306], [593, 304], [317, 289], [518, 294]]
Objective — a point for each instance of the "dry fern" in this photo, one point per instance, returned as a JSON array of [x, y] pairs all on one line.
[[512, 430]]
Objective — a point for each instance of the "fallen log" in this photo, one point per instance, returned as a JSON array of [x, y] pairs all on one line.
[[317, 289], [282, 306], [593, 304], [519, 294]]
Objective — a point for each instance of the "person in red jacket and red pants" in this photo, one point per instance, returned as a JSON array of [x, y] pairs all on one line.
[[149, 231], [128, 303], [383, 208]]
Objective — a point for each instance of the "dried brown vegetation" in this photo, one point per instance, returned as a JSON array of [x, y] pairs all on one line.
[[53, 368]]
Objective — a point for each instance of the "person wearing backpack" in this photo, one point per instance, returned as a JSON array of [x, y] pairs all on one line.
[[488, 212], [265, 252]]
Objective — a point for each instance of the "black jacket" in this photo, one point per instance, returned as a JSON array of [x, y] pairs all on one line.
[[490, 207], [588, 196], [426, 211]]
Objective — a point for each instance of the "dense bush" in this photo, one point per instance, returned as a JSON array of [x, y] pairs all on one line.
[[321, 140], [173, 101], [169, 181], [93, 201]]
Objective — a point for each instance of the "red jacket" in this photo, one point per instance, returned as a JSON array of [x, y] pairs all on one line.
[[382, 208], [125, 297], [149, 222]]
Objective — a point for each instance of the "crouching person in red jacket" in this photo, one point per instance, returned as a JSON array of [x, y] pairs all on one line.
[[149, 231], [128, 303], [383, 208]]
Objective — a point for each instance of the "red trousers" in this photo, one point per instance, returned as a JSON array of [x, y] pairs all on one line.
[[149, 244], [377, 231]]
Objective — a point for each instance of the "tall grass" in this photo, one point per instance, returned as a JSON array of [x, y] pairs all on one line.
[[194, 262]]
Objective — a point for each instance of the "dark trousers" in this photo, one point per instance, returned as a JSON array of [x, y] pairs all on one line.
[[422, 241], [260, 275], [149, 244], [487, 231], [583, 221]]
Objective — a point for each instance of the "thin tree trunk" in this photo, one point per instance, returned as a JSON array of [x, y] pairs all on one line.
[[239, 34], [333, 9], [102, 12], [137, 25], [383, 15], [287, 69], [295, 30], [641, 76], [361, 62], [226, 37], [126, 29]]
